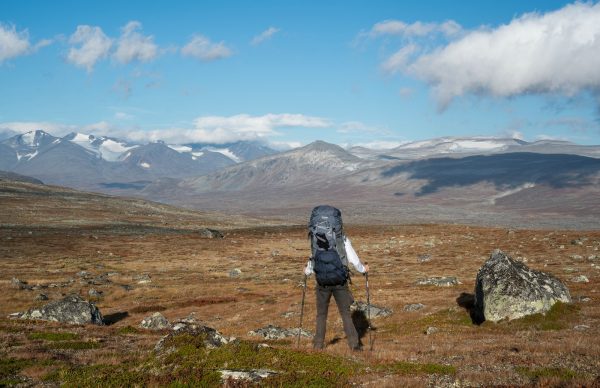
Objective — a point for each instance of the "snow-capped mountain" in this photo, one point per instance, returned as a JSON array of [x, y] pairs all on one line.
[[107, 148]]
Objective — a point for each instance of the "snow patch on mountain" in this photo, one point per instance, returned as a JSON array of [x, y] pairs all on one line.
[[180, 148], [103, 147], [225, 151], [506, 193], [145, 165]]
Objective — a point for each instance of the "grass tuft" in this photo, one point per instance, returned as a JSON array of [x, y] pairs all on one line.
[[75, 345], [537, 373]]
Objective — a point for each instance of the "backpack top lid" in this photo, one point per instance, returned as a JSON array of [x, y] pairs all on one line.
[[329, 213]]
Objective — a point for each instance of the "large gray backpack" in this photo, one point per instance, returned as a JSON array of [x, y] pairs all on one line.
[[325, 230]]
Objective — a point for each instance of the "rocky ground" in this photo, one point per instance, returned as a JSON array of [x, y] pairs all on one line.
[[251, 278]]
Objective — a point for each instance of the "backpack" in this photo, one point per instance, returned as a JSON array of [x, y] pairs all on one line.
[[326, 234]]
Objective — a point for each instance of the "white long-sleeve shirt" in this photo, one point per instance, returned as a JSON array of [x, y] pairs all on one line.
[[350, 255]]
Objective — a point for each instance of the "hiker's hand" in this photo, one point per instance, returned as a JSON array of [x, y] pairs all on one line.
[[366, 267]]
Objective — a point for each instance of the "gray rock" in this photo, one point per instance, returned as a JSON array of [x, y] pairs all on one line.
[[100, 280], [95, 293], [581, 327], [413, 307], [438, 281], [424, 258], [508, 289], [431, 330], [71, 309], [41, 297], [576, 257], [271, 332], [252, 375], [156, 321], [83, 274], [143, 278], [20, 285], [374, 311], [580, 279], [235, 273], [211, 233], [191, 326], [579, 241], [275, 253]]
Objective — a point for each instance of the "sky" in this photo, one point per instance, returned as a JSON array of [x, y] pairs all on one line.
[[374, 73]]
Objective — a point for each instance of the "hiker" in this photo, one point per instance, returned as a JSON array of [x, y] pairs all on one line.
[[331, 252]]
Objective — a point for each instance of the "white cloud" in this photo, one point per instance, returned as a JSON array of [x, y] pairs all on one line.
[[223, 129], [557, 52], [123, 116], [15, 43], [12, 43], [94, 45], [58, 129], [132, 45], [200, 47], [265, 35], [400, 59], [416, 29]]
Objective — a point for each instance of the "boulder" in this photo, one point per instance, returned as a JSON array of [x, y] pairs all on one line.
[[508, 289], [19, 284], [251, 375], [413, 307], [374, 311], [438, 281], [71, 309], [156, 321], [211, 233], [143, 278], [271, 332], [235, 273], [190, 325]]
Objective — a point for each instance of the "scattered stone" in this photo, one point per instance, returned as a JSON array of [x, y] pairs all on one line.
[[271, 332], [126, 287], [275, 253], [211, 233], [235, 273], [506, 288], [20, 285], [580, 279], [156, 321], [593, 257], [431, 330], [424, 258], [583, 299], [576, 257], [143, 278], [191, 326], [579, 241], [438, 281], [41, 297], [251, 375], [95, 293], [71, 309], [374, 311], [413, 307], [581, 327], [83, 274], [290, 314], [570, 270]]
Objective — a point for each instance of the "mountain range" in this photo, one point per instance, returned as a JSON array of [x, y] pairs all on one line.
[[482, 180]]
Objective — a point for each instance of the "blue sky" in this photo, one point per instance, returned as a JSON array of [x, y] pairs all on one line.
[[288, 73]]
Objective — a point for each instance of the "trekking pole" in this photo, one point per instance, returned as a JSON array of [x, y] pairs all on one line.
[[369, 311], [302, 310]]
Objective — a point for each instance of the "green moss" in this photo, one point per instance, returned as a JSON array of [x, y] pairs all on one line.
[[557, 318], [9, 367], [536, 373], [49, 336], [75, 345], [98, 376], [128, 330]]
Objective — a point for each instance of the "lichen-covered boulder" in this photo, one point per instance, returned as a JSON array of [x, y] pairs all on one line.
[[508, 289], [271, 332], [156, 321], [70, 309], [190, 326]]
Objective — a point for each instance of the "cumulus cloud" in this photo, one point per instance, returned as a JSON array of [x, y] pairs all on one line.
[[89, 45], [265, 35], [557, 52], [223, 129], [132, 45], [15, 43], [200, 47]]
